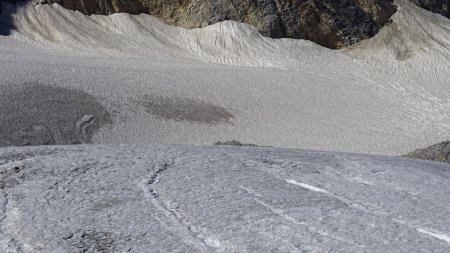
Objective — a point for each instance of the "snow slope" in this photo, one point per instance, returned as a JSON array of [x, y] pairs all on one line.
[[388, 95], [219, 199]]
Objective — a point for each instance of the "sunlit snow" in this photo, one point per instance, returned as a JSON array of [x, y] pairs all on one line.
[[387, 95]]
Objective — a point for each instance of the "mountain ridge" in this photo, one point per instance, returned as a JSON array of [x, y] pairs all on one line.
[[333, 24]]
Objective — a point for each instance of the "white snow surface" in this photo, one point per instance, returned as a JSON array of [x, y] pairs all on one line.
[[386, 95], [140, 198]]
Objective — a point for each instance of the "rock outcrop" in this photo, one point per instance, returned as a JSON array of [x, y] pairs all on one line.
[[437, 152], [438, 6], [331, 23], [234, 143]]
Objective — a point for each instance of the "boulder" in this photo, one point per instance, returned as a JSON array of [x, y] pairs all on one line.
[[437, 152]]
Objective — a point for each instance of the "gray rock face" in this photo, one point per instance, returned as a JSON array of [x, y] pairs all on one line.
[[438, 152], [233, 143], [331, 23], [438, 6]]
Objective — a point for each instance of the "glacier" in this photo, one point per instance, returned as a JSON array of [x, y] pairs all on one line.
[[152, 182], [158, 198]]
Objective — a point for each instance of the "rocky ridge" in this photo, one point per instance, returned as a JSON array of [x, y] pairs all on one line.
[[437, 152], [438, 6], [331, 23]]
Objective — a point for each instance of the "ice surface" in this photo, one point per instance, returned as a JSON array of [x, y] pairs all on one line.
[[388, 95], [219, 199]]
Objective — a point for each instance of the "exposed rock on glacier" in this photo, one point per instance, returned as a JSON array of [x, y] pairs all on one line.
[[437, 152], [438, 6]]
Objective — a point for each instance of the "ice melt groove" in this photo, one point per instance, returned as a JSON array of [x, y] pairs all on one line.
[[439, 236], [349, 202], [175, 221], [286, 217], [154, 178], [307, 186]]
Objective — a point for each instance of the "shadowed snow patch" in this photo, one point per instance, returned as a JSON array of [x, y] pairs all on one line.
[[37, 114]]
